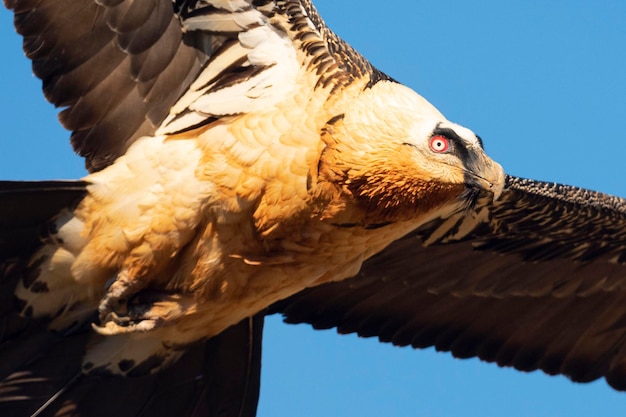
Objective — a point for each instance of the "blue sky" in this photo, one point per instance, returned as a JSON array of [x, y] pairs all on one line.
[[541, 82]]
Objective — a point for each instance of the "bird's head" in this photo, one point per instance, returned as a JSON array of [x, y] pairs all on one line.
[[398, 156]]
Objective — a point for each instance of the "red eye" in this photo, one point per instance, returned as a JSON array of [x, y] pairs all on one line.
[[439, 144]]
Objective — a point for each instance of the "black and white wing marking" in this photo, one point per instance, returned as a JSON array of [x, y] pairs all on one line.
[[535, 281], [264, 47], [122, 69]]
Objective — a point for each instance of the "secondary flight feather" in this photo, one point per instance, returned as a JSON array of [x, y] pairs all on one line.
[[242, 153]]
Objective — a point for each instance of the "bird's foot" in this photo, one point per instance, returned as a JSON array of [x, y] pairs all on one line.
[[114, 313], [145, 311], [123, 324]]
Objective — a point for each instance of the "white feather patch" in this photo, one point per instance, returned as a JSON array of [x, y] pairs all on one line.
[[122, 354], [264, 47], [230, 5], [219, 22]]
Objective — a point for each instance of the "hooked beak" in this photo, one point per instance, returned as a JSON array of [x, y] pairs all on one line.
[[489, 176]]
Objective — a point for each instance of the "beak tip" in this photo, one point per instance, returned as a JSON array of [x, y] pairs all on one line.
[[497, 186]]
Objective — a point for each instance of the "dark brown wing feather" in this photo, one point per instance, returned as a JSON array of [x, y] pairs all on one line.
[[536, 281], [115, 66], [41, 372], [26, 205]]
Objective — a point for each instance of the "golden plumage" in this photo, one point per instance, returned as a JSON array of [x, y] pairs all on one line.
[[259, 209]]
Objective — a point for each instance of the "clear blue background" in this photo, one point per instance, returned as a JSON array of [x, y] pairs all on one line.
[[542, 82]]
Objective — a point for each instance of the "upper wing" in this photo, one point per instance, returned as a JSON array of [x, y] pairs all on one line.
[[120, 69], [115, 67], [534, 281]]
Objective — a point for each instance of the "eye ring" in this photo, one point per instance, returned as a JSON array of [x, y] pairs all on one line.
[[439, 144]]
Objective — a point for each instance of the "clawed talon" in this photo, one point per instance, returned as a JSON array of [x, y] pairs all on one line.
[[125, 308], [113, 309], [138, 318], [120, 320], [111, 328], [109, 307]]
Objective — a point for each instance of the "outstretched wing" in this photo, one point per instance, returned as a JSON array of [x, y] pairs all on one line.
[[120, 69], [534, 281]]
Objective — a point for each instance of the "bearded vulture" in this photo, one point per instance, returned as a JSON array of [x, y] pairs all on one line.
[[243, 161]]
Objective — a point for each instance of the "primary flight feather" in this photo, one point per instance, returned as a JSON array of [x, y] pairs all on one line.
[[242, 153]]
